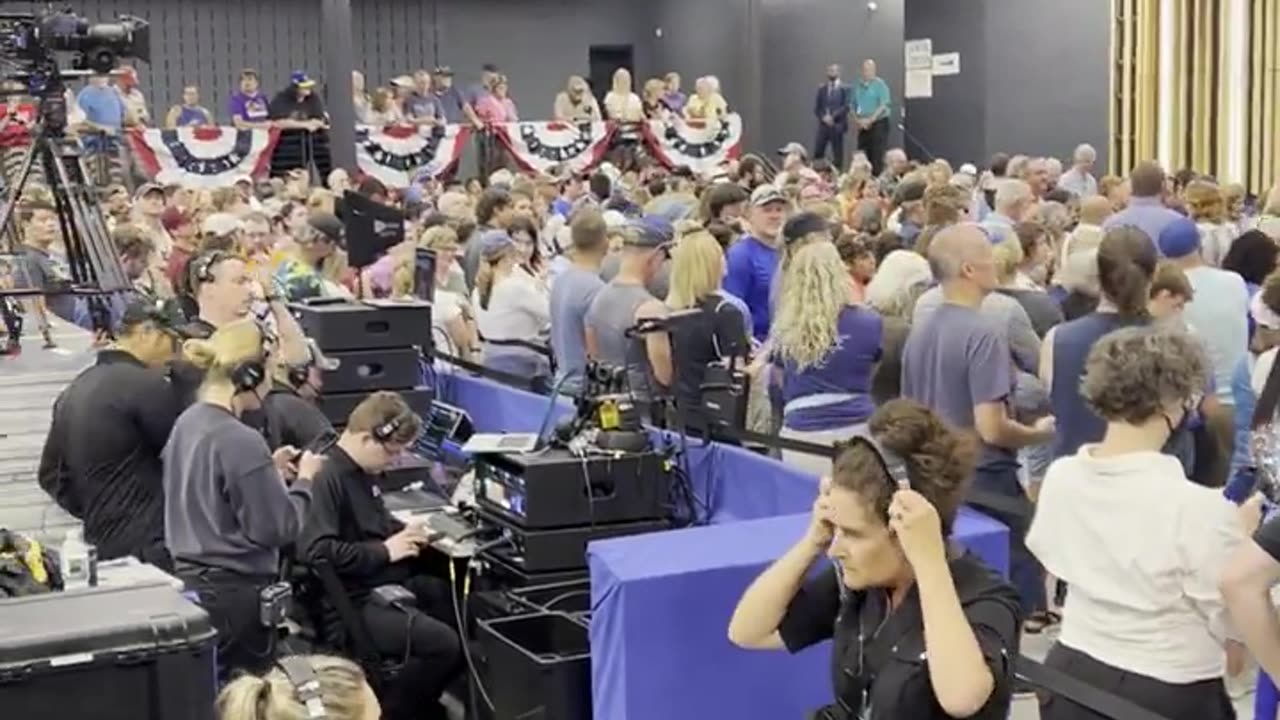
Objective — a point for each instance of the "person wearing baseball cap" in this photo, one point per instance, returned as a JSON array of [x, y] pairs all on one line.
[[514, 309], [127, 407], [652, 230], [1218, 312], [752, 262], [626, 300]]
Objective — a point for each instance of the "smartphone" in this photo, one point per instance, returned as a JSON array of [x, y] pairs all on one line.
[[323, 443], [424, 274]]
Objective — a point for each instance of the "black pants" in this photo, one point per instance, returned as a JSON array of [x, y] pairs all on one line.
[[832, 135], [1204, 700], [427, 637], [232, 601], [874, 143]]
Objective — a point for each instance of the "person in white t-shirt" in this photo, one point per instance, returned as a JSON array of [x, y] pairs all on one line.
[[622, 103], [513, 309], [1140, 546]]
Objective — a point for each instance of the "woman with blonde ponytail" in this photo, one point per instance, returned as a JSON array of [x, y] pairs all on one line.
[[825, 349], [344, 692], [513, 309], [230, 504]]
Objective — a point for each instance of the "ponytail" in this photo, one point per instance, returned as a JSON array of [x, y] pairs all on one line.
[[484, 281], [1126, 264], [248, 697]]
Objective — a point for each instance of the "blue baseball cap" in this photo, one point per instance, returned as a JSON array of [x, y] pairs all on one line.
[[650, 231], [300, 79], [1179, 238], [495, 242]]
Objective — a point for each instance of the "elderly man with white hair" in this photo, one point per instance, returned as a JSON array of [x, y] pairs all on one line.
[[1079, 180], [1013, 199]]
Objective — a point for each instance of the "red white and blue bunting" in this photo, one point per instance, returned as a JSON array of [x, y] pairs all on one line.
[[203, 157], [560, 147], [703, 146], [399, 154]]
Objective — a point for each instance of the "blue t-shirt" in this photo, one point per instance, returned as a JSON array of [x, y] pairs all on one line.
[[751, 265], [571, 297], [102, 106], [957, 359], [836, 392]]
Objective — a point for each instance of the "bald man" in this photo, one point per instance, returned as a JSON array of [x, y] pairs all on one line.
[[871, 105], [959, 364]]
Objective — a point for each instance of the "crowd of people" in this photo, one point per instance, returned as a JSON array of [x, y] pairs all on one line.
[[1088, 359]]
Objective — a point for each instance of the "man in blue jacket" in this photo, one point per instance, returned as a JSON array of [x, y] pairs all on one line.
[[831, 107]]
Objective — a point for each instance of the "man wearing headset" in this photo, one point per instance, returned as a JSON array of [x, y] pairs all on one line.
[[349, 526], [291, 414], [220, 289]]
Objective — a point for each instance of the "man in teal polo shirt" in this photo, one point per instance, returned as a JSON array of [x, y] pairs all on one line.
[[871, 104]]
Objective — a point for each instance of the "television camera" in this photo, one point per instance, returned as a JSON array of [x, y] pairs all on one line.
[[31, 45]]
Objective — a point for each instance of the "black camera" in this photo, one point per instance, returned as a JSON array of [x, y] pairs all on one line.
[[97, 46]]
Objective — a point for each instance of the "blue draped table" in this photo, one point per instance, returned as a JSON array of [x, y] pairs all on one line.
[[661, 602]]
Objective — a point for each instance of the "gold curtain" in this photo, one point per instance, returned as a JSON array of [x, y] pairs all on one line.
[[1264, 93], [1134, 82]]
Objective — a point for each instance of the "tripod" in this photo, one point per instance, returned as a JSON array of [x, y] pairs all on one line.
[[94, 264]]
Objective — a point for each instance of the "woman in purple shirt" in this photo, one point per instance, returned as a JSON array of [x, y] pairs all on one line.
[[825, 348]]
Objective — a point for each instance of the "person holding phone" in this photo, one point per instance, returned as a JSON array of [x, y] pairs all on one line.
[[921, 630], [230, 503], [350, 527]]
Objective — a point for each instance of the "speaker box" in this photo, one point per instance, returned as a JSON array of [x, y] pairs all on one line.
[[338, 406], [359, 326], [368, 370]]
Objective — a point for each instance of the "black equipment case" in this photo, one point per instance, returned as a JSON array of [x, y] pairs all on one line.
[[128, 653]]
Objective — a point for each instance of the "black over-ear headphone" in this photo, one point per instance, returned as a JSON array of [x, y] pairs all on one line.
[[895, 467], [201, 268], [387, 430], [248, 374], [306, 685]]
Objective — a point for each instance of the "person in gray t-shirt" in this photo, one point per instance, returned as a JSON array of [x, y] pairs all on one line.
[[228, 506], [572, 295], [958, 364]]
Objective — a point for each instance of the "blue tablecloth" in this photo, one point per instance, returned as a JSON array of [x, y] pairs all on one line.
[[661, 602], [660, 613]]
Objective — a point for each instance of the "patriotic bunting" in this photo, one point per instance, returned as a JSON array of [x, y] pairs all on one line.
[[543, 147], [701, 145], [399, 154], [203, 157]]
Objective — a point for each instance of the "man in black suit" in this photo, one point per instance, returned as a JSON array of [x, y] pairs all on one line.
[[831, 107]]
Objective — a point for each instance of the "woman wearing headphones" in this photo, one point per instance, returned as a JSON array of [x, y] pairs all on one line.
[[229, 503], [299, 687], [717, 332], [920, 629]]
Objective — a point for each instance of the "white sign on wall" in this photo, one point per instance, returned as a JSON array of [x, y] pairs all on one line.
[[946, 64], [919, 54]]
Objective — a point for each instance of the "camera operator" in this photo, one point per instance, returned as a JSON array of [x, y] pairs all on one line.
[[229, 508], [291, 415], [897, 594], [349, 526], [101, 459]]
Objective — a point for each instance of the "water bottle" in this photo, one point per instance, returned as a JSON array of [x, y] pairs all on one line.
[[78, 561]]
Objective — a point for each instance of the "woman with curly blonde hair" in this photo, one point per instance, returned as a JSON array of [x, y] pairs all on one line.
[[824, 350]]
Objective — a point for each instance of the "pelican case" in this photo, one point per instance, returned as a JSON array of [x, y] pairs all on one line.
[[122, 653]]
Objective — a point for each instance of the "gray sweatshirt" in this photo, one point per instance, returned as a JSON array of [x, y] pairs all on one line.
[[226, 505]]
